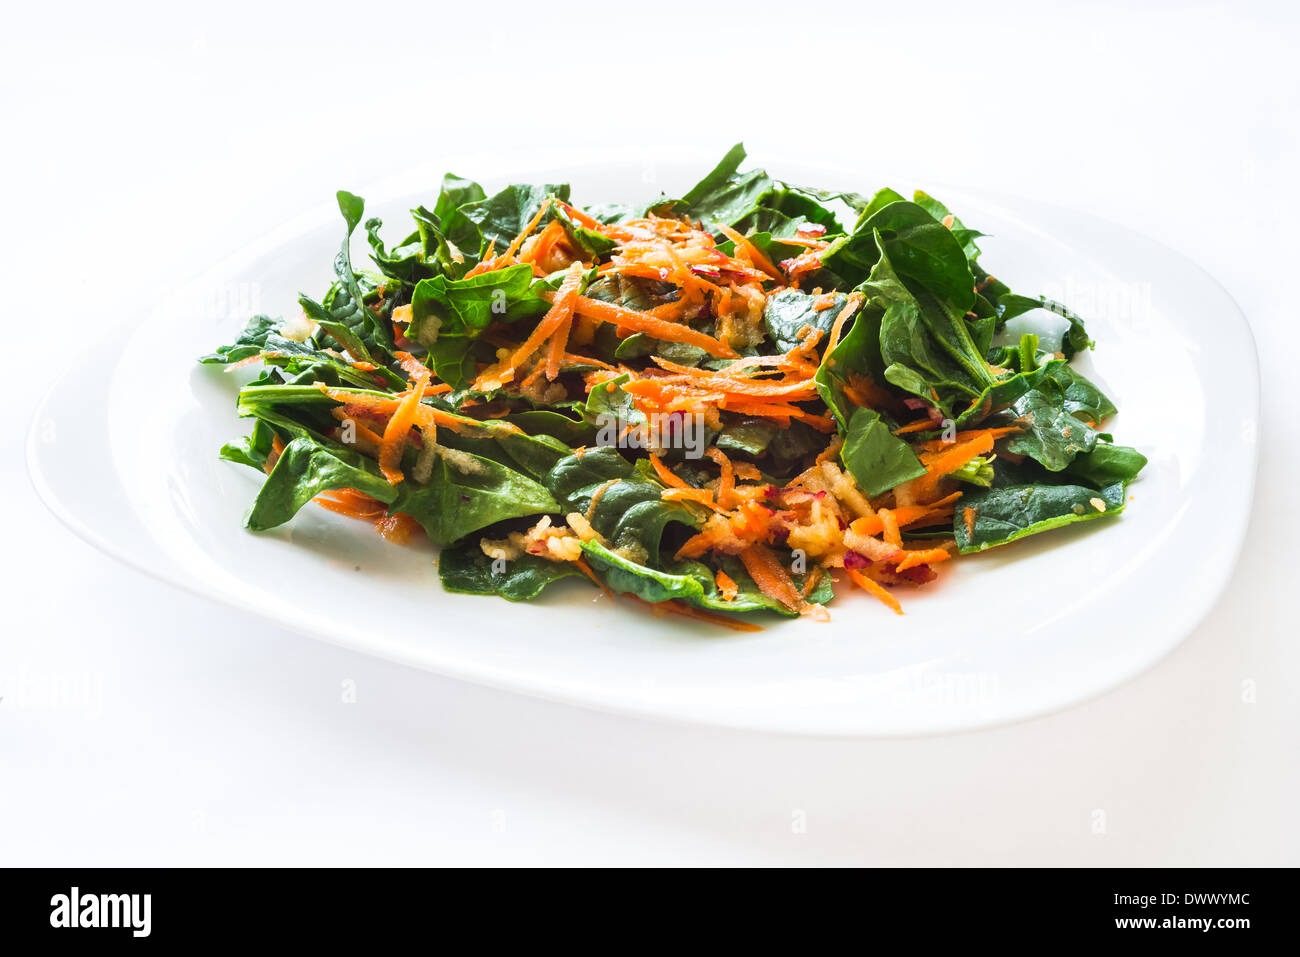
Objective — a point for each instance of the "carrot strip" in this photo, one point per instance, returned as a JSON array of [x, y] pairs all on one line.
[[855, 299], [398, 428], [689, 611], [667, 476], [928, 556], [770, 576], [865, 583], [726, 585], [727, 482], [410, 365], [751, 251], [658, 328], [938, 445], [920, 425]]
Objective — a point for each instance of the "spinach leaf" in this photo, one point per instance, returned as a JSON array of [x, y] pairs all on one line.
[[692, 582], [992, 517], [363, 333], [1051, 435], [464, 568], [875, 457], [447, 314], [304, 470], [502, 217], [467, 492], [1107, 464], [250, 342], [790, 310]]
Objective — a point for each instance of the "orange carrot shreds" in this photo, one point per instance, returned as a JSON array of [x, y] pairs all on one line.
[[911, 514], [953, 457], [939, 444], [727, 481], [560, 313], [968, 519], [539, 247], [889, 528], [770, 576], [397, 528], [750, 251], [581, 218], [586, 570], [822, 423], [675, 607], [747, 471], [927, 556], [651, 325], [667, 475], [822, 303], [794, 390], [410, 365], [726, 585], [831, 450], [920, 425], [398, 429], [350, 502], [555, 349], [701, 496], [872, 588], [528, 228], [854, 300], [277, 449]]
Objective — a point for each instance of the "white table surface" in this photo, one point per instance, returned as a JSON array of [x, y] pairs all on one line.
[[140, 725]]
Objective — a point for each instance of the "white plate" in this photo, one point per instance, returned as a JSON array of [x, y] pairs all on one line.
[[124, 451]]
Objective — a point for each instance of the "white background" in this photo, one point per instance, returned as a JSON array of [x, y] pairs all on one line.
[[139, 725]]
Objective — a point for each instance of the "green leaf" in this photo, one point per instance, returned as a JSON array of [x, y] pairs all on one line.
[[1051, 435], [877, 459], [790, 310], [1002, 515], [502, 217], [304, 470], [464, 568]]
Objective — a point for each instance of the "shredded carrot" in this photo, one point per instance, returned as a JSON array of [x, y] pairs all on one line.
[[398, 428], [727, 481], [920, 425], [651, 325], [726, 585], [410, 365], [770, 576], [939, 444], [676, 607], [928, 556], [855, 299], [867, 585], [277, 449], [667, 475], [751, 251]]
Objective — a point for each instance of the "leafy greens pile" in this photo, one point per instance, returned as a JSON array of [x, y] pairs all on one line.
[[709, 403]]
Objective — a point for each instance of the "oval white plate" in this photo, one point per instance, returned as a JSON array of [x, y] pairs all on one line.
[[124, 451]]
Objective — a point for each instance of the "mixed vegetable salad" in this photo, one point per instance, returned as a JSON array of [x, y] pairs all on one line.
[[716, 403]]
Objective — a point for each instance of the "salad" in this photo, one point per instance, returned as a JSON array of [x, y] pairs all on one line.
[[716, 404]]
